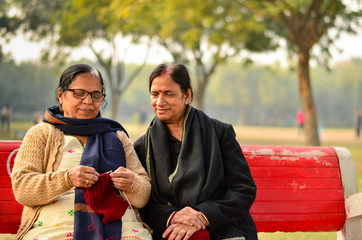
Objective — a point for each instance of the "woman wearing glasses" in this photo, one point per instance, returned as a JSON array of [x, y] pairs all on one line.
[[76, 172]]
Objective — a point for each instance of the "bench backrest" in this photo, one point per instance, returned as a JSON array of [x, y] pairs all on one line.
[[10, 210], [299, 188]]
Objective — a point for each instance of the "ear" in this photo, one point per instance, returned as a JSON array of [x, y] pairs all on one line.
[[60, 96], [187, 96]]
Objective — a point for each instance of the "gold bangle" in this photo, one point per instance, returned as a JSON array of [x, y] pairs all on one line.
[[67, 180], [208, 223]]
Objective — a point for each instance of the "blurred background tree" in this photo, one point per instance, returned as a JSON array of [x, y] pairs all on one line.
[[304, 24], [9, 23], [256, 96], [213, 37], [203, 35], [69, 24]]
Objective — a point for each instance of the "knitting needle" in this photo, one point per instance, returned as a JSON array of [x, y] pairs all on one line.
[[53, 198]]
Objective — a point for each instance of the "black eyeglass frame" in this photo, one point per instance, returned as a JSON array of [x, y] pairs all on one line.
[[88, 93]]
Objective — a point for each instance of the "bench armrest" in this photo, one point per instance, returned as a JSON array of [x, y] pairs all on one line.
[[353, 206], [352, 227]]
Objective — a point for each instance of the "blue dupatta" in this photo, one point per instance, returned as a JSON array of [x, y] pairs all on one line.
[[104, 152]]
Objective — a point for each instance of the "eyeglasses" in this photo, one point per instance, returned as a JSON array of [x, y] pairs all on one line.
[[96, 96]]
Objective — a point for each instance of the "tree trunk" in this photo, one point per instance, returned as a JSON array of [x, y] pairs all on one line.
[[305, 88], [115, 96], [203, 77], [198, 100]]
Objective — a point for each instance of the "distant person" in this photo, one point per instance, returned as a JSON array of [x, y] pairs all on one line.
[[320, 130], [143, 115], [37, 117], [357, 123], [202, 187], [19, 135], [5, 119], [300, 121]]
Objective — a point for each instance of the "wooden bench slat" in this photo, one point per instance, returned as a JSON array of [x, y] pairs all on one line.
[[288, 172], [296, 218], [292, 161], [5, 155], [298, 223], [6, 194], [11, 228], [10, 218], [304, 151], [10, 207], [5, 182], [9, 144], [297, 184], [306, 194], [7, 159], [322, 207]]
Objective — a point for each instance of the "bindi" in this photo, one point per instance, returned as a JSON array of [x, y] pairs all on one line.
[[164, 71], [159, 91]]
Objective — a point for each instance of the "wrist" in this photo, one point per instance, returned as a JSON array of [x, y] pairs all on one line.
[[67, 180], [207, 220], [168, 222]]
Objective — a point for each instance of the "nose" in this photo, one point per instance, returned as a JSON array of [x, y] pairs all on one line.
[[88, 99], [160, 100]]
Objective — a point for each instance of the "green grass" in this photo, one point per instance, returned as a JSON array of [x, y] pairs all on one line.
[[14, 128], [7, 236], [263, 136]]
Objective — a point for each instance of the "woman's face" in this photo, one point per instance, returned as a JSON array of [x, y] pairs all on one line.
[[81, 108], [167, 100]]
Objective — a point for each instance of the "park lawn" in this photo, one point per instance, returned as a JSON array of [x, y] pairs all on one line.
[[263, 136], [15, 127]]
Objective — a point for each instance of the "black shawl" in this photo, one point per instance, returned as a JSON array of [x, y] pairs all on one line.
[[211, 173]]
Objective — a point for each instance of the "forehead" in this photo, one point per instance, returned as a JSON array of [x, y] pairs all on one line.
[[86, 81], [164, 83]]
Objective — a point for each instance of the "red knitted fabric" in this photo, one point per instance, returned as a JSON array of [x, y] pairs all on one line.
[[200, 235], [102, 198]]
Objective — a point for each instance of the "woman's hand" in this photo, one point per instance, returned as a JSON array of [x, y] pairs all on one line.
[[122, 178], [179, 231], [83, 176], [189, 217]]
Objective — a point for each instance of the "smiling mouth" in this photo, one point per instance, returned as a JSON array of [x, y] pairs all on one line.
[[162, 112], [87, 110]]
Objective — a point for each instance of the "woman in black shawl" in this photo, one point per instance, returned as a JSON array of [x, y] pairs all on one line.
[[201, 181]]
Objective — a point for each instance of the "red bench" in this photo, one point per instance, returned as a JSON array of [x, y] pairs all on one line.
[[300, 189], [305, 189], [10, 210]]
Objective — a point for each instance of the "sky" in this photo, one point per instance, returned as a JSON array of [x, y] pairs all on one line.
[[23, 50]]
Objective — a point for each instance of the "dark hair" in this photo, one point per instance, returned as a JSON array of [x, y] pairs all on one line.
[[71, 72], [176, 71]]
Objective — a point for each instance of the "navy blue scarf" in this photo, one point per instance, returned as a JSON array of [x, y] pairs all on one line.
[[104, 152]]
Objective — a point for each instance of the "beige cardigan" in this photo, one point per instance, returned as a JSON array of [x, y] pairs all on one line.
[[35, 178]]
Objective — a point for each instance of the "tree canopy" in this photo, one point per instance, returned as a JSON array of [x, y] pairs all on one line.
[[9, 24], [202, 36], [304, 24], [70, 24]]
